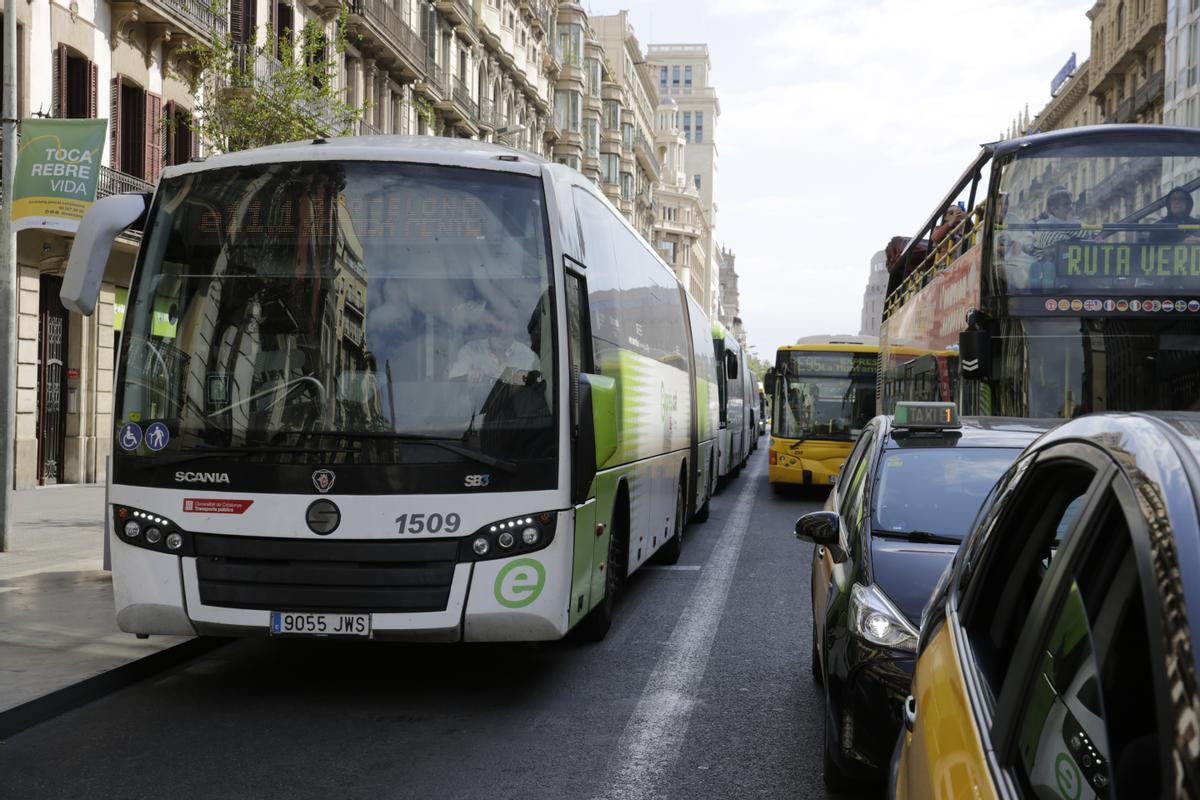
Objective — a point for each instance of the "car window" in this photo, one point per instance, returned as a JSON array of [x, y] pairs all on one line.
[[985, 521], [852, 473], [1013, 564], [1086, 723], [936, 490]]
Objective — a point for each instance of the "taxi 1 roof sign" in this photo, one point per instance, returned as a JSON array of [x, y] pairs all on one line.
[[933, 416]]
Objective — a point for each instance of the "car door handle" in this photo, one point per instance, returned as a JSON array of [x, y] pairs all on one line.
[[910, 712]]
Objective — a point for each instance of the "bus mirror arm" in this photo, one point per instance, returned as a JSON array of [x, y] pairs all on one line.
[[102, 223], [595, 434]]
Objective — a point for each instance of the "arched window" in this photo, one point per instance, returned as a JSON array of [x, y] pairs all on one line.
[[1120, 21]]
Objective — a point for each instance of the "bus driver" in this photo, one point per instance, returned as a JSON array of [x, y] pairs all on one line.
[[495, 356]]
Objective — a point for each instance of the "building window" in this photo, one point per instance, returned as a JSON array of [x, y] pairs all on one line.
[[591, 137], [675, 77], [696, 180], [593, 77], [662, 78], [74, 85], [570, 44], [182, 144], [570, 161], [626, 186], [610, 168], [568, 111], [699, 127], [668, 251], [687, 77], [687, 126], [612, 115]]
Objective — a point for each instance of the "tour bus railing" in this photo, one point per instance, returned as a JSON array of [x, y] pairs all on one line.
[[940, 257]]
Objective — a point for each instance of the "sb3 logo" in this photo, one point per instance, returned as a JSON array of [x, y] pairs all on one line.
[[477, 481]]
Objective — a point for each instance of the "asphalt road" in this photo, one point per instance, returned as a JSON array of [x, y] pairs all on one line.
[[701, 690]]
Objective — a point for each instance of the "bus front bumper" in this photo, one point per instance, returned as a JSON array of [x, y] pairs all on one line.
[[505, 599], [810, 463]]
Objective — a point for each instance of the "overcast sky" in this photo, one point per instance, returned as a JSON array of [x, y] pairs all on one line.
[[843, 122]]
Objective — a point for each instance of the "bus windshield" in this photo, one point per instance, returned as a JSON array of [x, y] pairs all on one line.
[[1109, 217], [824, 395], [299, 307]]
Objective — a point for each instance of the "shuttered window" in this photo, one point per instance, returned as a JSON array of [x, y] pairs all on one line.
[[137, 130], [73, 85], [180, 143]]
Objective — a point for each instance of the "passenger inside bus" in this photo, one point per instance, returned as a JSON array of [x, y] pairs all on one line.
[[1178, 212]]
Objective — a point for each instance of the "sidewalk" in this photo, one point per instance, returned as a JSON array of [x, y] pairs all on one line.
[[57, 625]]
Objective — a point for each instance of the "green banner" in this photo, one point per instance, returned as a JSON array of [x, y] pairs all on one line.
[[58, 169]]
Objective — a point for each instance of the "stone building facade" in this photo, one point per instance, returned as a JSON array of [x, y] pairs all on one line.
[[873, 295], [537, 75]]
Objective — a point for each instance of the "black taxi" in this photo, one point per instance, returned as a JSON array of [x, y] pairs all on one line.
[[1056, 656], [905, 498]]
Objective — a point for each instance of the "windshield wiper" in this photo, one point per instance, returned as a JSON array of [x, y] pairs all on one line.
[[445, 442], [924, 537]]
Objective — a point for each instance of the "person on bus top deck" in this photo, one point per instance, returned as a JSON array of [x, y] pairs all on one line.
[[1014, 246], [495, 356], [1179, 212]]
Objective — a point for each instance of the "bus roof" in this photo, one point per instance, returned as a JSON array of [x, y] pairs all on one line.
[[847, 339], [410, 149], [1089, 132]]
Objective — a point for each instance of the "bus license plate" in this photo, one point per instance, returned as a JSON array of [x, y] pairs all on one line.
[[287, 622]]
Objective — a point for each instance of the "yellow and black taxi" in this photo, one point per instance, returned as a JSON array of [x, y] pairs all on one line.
[[1056, 656], [906, 497]]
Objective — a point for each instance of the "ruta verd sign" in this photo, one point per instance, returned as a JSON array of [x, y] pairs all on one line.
[[58, 170]]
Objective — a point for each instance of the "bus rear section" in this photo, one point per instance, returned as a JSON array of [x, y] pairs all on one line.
[[365, 389], [823, 393]]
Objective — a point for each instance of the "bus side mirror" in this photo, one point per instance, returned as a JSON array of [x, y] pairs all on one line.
[[769, 381], [102, 223], [731, 365], [596, 437], [975, 354]]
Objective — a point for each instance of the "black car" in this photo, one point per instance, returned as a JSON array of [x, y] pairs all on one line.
[[904, 500]]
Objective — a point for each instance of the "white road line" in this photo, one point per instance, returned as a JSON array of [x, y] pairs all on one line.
[[675, 567], [655, 733]]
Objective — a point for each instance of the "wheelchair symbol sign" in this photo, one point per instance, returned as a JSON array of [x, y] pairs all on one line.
[[157, 436], [130, 436]]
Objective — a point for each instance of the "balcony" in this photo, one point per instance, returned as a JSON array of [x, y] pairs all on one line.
[[114, 182], [645, 152], [195, 18], [1148, 92], [1125, 110], [384, 23], [456, 103], [461, 15], [487, 114]]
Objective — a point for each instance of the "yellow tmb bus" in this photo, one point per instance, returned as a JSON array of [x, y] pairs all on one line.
[[822, 391]]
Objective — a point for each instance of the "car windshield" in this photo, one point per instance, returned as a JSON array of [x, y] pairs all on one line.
[[936, 490], [342, 304], [824, 395], [1108, 217]]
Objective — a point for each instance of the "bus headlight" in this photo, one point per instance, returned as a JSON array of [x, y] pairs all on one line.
[[150, 531], [132, 529], [174, 541], [153, 535], [511, 537], [875, 619]]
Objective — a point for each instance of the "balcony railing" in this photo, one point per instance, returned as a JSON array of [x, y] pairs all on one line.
[[115, 182], [1148, 92], [462, 96], [487, 112], [199, 13], [390, 21], [646, 148]]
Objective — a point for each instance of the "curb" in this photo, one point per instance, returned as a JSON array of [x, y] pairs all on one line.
[[48, 706]]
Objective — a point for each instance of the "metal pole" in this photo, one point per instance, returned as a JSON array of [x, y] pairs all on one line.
[[8, 279]]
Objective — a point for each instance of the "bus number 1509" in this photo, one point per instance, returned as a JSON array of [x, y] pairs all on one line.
[[428, 523]]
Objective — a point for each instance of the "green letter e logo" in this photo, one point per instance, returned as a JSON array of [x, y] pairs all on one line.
[[520, 583]]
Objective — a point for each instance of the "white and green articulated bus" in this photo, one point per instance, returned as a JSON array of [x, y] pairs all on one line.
[[393, 387], [733, 375]]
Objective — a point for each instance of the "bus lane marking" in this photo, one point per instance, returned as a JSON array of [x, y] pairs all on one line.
[[656, 731]]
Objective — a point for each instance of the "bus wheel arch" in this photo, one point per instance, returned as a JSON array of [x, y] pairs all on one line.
[[595, 625]]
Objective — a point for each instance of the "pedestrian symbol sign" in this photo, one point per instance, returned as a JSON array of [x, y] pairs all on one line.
[[130, 436], [157, 436]]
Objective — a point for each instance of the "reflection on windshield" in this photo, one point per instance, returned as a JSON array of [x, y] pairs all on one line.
[[321, 305], [936, 491], [1107, 218], [824, 395]]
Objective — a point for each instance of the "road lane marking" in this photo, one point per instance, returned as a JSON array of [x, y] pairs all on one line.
[[655, 734], [675, 567]]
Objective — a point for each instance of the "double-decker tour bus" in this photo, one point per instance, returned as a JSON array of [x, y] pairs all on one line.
[[1071, 283], [733, 377], [394, 387]]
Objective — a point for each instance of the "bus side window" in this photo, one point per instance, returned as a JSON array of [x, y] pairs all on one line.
[[578, 346]]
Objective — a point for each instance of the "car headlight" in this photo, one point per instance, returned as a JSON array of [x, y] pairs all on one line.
[[874, 618]]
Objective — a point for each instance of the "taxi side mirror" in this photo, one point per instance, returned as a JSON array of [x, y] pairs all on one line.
[[819, 527]]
